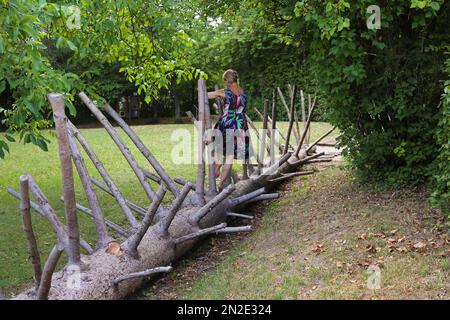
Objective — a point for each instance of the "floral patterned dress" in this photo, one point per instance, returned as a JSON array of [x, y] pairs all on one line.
[[233, 126]]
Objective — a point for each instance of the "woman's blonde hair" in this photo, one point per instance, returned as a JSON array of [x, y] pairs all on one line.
[[230, 76]]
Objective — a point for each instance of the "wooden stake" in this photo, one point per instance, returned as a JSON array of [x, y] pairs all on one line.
[[57, 103], [104, 174], [49, 268], [200, 186], [291, 120], [144, 150], [33, 250], [100, 226], [120, 144]]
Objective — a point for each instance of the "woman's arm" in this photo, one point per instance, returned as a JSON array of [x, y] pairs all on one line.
[[216, 94]]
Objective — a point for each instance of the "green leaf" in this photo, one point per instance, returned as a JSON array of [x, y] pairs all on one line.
[[9, 137]]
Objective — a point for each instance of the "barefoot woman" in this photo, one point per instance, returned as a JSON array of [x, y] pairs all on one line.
[[232, 125]]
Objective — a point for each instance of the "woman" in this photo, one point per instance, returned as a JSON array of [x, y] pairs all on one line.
[[232, 125]]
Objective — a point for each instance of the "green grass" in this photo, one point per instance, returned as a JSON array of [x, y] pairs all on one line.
[[279, 262], [15, 269]]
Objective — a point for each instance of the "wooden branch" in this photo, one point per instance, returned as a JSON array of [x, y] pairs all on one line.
[[109, 223], [151, 176], [234, 229], [113, 190], [274, 128], [291, 175], [192, 118], [272, 169], [291, 113], [126, 203], [302, 161], [121, 145], [100, 227], [133, 242], [48, 213], [33, 250], [200, 185], [49, 268], [144, 150], [199, 233], [263, 137], [291, 119], [73, 232], [142, 274], [212, 189], [318, 161], [252, 125], [212, 203], [269, 132], [305, 131], [267, 196], [239, 215], [246, 197], [175, 207], [326, 134], [219, 101], [182, 182]]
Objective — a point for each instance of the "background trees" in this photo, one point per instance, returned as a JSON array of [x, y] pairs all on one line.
[[385, 89]]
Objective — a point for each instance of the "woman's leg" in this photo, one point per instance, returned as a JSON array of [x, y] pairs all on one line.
[[226, 171], [217, 165]]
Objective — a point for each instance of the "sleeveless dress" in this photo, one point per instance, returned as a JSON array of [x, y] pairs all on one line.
[[233, 126]]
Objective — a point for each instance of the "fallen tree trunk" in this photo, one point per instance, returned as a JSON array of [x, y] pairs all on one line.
[[117, 270]]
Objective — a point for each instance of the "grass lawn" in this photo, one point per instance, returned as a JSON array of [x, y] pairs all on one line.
[[317, 242], [15, 269]]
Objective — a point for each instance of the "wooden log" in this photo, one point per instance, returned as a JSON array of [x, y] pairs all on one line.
[[100, 226], [144, 150], [120, 144], [73, 232], [33, 250], [49, 269], [104, 174]]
